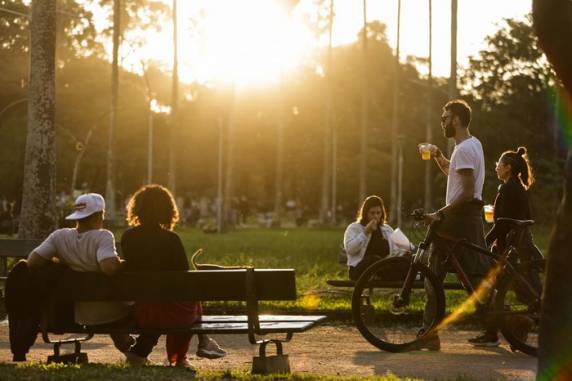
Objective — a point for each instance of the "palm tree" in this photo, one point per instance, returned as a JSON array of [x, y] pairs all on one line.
[[428, 134], [364, 112], [174, 107], [395, 209], [110, 184], [38, 216]]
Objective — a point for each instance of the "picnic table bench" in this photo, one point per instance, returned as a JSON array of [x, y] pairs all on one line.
[[248, 285]]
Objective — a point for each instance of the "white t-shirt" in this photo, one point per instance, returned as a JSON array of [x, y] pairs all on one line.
[[466, 155], [83, 252]]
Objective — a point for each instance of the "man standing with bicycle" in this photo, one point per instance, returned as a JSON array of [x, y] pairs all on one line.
[[461, 217]]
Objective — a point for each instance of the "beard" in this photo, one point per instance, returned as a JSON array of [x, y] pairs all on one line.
[[449, 130]]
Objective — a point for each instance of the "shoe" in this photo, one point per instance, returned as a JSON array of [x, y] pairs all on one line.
[[125, 344], [485, 340], [521, 327], [135, 360], [186, 364], [431, 342], [210, 350]]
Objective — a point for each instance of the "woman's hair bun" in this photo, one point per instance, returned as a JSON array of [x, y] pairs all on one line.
[[521, 151]]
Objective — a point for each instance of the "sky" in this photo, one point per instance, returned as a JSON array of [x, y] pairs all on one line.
[[256, 41]]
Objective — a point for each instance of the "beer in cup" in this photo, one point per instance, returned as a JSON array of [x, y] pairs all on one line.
[[425, 150], [489, 213]]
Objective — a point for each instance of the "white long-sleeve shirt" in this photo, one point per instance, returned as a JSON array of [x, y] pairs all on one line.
[[356, 241]]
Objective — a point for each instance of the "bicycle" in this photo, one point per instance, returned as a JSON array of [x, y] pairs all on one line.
[[388, 299]]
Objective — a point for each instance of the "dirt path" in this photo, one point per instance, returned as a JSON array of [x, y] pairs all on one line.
[[337, 350]]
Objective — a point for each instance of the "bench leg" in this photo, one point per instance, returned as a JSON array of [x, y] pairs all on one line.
[[76, 357], [264, 364]]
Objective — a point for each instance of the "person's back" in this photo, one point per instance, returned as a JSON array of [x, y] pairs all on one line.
[[141, 245], [86, 248]]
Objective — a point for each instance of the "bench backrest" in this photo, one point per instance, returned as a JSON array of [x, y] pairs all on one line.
[[17, 248], [204, 285]]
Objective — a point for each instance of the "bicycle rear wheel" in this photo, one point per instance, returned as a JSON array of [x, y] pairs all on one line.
[[386, 321], [518, 309]]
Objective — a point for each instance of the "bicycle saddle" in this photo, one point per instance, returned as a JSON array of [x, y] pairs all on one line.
[[512, 221]]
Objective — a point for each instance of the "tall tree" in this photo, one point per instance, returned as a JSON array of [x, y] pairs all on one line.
[[37, 217], [553, 22], [110, 184], [364, 111], [174, 107]]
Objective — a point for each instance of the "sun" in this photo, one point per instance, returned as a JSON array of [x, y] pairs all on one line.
[[243, 43]]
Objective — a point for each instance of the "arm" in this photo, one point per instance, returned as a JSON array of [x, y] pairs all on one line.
[[468, 184], [440, 159], [35, 260], [109, 261], [354, 239], [110, 266]]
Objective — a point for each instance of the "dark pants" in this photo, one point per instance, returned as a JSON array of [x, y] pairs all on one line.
[[356, 271], [465, 222]]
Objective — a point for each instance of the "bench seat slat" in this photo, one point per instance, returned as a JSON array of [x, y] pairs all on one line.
[[210, 327], [392, 284], [262, 318]]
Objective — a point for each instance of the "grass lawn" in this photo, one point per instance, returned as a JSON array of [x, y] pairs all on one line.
[[95, 372]]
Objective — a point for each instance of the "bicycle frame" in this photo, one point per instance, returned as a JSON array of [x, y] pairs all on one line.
[[504, 259]]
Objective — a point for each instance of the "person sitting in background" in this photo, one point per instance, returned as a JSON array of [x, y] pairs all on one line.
[[87, 248], [151, 245], [367, 240]]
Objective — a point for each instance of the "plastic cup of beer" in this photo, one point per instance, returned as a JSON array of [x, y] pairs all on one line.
[[425, 150], [489, 213]]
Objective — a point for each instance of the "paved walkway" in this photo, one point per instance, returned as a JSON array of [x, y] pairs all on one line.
[[337, 350]]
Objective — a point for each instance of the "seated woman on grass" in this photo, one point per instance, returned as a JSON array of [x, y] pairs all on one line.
[[368, 239], [151, 245]]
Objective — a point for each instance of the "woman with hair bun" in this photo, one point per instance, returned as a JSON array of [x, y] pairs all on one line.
[[515, 172]]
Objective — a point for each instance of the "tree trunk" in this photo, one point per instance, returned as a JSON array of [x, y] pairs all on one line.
[[395, 207], [553, 23], [38, 215], [174, 108], [364, 113], [428, 205], [110, 184]]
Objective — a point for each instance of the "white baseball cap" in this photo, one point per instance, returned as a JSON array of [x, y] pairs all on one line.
[[86, 205]]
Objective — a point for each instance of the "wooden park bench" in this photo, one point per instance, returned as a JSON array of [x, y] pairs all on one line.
[[248, 286], [348, 283], [14, 248]]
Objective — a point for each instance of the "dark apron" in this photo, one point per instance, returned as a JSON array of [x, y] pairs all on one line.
[[465, 222]]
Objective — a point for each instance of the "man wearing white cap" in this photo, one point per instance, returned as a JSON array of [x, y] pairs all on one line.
[[87, 248]]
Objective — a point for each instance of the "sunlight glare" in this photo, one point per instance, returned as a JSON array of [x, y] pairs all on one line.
[[249, 42]]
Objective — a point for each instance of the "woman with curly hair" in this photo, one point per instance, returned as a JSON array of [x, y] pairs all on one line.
[[151, 245]]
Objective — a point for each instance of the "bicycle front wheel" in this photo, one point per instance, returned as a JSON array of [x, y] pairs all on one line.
[[389, 319], [517, 308]]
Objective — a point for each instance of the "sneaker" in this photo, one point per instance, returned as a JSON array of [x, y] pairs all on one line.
[[431, 342], [186, 364], [521, 327], [135, 360], [125, 343], [210, 349], [485, 340]]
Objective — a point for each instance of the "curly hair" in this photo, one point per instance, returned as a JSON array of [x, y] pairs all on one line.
[[153, 205]]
